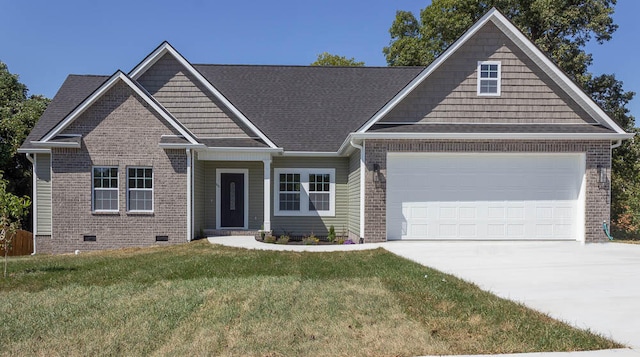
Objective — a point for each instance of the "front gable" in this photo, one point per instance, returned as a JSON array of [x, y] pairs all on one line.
[[119, 120], [527, 95], [169, 82], [538, 93]]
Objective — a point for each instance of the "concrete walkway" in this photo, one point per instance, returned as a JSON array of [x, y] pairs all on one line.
[[593, 286]]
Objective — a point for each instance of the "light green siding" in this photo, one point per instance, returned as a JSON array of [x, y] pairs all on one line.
[[353, 186], [43, 193], [256, 189], [198, 197], [318, 225]]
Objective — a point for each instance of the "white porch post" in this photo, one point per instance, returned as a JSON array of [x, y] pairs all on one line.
[[267, 194]]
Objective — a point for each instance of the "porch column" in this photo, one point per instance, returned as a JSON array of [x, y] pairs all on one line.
[[267, 194]]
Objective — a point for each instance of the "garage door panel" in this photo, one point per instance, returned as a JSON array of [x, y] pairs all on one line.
[[483, 196]]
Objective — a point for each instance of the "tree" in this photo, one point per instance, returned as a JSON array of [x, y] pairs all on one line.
[[559, 28], [18, 115], [12, 210], [327, 59]]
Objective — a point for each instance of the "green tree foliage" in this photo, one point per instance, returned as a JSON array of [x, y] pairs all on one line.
[[327, 59], [561, 29], [12, 210], [18, 115]]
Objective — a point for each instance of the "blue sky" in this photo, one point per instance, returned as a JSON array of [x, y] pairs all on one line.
[[44, 41]]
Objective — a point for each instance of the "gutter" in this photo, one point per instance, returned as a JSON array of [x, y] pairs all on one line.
[[363, 170]]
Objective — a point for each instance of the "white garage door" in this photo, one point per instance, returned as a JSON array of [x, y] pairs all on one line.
[[485, 196]]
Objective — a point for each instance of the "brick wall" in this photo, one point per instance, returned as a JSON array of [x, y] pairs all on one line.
[[597, 195], [118, 130]]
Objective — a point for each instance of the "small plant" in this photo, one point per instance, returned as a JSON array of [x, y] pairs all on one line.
[[331, 237], [339, 240], [348, 241], [284, 239], [270, 239], [310, 240]]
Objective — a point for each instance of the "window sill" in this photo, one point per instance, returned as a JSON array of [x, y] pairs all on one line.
[[140, 213], [105, 213]]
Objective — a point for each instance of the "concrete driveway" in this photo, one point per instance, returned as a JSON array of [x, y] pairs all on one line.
[[594, 286]]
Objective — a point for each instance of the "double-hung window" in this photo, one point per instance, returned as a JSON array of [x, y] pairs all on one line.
[[489, 73], [304, 192], [140, 189], [105, 189]]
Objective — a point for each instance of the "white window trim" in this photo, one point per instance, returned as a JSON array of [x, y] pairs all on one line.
[[153, 195], [304, 192], [93, 189], [498, 80]]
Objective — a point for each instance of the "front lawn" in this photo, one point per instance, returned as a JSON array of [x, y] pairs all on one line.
[[201, 299]]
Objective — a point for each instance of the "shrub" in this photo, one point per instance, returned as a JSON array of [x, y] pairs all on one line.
[[331, 237], [310, 240], [339, 240], [284, 239], [270, 239]]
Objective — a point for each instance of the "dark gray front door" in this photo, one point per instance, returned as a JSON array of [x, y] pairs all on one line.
[[232, 200]]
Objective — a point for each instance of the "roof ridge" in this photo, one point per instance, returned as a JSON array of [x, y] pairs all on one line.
[[302, 66]]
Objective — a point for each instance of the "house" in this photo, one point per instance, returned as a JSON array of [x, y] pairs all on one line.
[[490, 141]]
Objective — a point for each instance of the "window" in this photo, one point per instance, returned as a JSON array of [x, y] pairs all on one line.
[[304, 192], [140, 189], [489, 78], [289, 195], [105, 189], [319, 192]]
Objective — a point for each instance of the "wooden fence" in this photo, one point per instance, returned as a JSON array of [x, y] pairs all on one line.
[[22, 244]]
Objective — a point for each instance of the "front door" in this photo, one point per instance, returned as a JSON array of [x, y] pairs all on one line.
[[232, 200]]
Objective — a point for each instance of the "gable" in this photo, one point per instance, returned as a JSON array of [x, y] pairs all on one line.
[[119, 118], [449, 94], [186, 98]]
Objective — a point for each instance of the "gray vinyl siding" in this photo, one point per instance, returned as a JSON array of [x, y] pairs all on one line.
[[43, 193], [189, 101], [449, 95], [198, 197], [305, 225], [256, 191], [353, 186]]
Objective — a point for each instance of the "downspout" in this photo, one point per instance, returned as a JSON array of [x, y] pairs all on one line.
[[189, 196], [33, 201], [362, 184], [616, 144], [605, 227]]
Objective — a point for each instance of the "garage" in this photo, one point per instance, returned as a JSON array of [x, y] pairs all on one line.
[[485, 196]]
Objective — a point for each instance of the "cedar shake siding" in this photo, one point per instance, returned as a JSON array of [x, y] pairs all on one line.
[[597, 153], [189, 101], [118, 130], [449, 94]]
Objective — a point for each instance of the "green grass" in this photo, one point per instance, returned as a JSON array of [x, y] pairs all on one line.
[[200, 299]]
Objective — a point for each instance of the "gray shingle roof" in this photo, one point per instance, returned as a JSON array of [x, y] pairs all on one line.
[[308, 108], [73, 91]]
